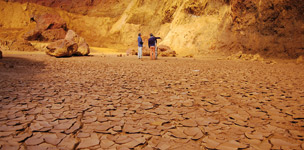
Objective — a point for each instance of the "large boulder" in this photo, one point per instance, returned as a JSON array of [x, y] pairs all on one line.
[[62, 48], [83, 47], [165, 51], [71, 45], [49, 27]]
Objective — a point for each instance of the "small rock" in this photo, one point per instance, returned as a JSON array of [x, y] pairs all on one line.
[[299, 59]]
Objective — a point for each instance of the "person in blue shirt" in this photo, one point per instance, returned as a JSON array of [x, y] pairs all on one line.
[[152, 44], [140, 46]]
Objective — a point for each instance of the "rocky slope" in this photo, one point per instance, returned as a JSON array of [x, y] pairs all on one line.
[[272, 28]]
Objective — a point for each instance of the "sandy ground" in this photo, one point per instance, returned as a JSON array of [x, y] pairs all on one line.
[[109, 102]]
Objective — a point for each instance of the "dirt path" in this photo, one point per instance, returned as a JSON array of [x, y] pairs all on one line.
[[114, 102]]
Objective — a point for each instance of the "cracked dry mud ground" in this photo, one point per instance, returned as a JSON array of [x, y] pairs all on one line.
[[123, 103]]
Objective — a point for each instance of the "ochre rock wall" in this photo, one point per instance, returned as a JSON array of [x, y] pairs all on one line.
[[272, 28]]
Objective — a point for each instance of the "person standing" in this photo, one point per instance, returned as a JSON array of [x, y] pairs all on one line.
[[152, 43], [140, 46]]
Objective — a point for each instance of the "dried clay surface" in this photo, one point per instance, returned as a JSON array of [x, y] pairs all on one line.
[[109, 102]]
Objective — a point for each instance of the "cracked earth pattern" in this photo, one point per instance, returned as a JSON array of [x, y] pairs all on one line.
[[173, 103]]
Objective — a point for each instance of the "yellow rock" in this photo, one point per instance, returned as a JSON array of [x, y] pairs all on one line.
[[300, 59], [257, 57]]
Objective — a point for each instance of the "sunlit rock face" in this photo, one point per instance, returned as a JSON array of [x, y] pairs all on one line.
[[271, 28]]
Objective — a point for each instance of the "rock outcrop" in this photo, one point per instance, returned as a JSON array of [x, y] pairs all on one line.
[[271, 28], [49, 27], [71, 45], [11, 43], [83, 47], [1, 54]]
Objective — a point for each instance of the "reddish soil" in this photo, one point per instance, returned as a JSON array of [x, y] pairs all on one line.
[[114, 102]]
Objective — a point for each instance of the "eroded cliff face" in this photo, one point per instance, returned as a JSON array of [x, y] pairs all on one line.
[[272, 28]]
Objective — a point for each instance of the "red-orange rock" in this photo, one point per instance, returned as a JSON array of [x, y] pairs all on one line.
[[53, 34], [49, 27]]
